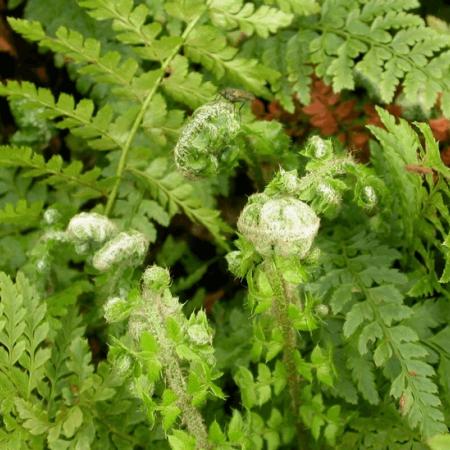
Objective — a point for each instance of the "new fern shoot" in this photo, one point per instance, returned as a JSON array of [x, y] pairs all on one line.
[[177, 274]]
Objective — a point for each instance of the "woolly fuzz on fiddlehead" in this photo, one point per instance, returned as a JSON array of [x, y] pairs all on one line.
[[281, 225], [168, 347], [88, 229], [329, 175], [204, 143], [124, 249]]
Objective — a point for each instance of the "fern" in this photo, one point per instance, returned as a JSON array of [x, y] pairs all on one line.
[[232, 14], [22, 214], [55, 173], [346, 265], [187, 86], [207, 45], [174, 194], [361, 285], [420, 201], [378, 44], [107, 68], [99, 130], [23, 354]]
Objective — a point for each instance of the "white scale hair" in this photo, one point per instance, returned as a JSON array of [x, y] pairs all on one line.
[[112, 309], [329, 193], [282, 225], [51, 216], [201, 122], [94, 227], [199, 334], [129, 248], [319, 145], [370, 195]]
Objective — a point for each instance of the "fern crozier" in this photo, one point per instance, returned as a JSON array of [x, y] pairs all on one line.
[[282, 225], [90, 227], [128, 249], [205, 138]]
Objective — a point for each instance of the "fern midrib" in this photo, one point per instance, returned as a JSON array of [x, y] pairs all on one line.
[[137, 122], [280, 305], [174, 374]]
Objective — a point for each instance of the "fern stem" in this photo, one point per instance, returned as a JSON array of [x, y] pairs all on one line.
[[191, 417], [137, 121], [280, 307]]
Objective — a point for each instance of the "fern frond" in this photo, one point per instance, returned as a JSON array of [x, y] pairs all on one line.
[[54, 172], [174, 194], [233, 14], [208, 46], [99, 130], [187, 86], [383, 45], [162, 125], [22, 214], [418, 210], [130, 25], [24, 330], [108, 68], [303, 8], [375, 324]]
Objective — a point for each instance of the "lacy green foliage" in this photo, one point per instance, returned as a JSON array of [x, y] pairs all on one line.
[[379, 45], [172, 192], [54, 172], [50, 393], [418, 211], [147, 113], [371, 325], [338, 335], [363, 286]]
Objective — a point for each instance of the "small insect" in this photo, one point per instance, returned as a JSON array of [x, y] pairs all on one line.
[[236, 95]]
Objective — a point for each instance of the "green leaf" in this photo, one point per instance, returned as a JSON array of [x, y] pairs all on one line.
[[34, 416], [73, 421], [439, 442], [174, 193], [215, 434], [187, 86], [230, 14], [207, 46]]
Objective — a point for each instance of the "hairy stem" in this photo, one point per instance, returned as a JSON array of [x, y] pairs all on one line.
[[280, 307], [137, 121], [191, 417]]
